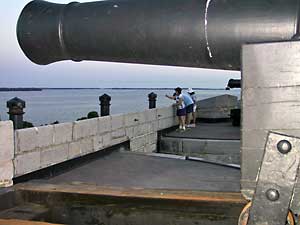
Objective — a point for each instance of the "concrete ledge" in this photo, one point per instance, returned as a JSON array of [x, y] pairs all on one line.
[[227, 151], [6, 153]]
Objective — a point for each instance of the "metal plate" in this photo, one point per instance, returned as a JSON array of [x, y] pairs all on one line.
[[276, 180]]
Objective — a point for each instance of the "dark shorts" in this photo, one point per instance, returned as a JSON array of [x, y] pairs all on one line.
[[181, 112], [189, 108]]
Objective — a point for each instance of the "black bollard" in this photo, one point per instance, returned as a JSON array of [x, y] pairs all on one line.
[[16, 106], [152, 100], [104, 104], [234, 83]]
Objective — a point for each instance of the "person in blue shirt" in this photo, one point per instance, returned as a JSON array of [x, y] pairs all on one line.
[[189, 106], [193, 96]]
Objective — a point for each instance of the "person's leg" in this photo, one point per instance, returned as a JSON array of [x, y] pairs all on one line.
[[183, 122], [194, 117]]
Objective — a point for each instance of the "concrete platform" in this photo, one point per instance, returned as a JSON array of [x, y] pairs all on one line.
[[132, 170], [217, 142], [213, 131]]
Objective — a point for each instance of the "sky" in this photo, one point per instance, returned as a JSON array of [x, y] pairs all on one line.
[[18, 71]]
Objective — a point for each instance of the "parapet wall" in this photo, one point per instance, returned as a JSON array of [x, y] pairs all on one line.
[[216, 107], [6, 153], [40, 147], [27, 150]]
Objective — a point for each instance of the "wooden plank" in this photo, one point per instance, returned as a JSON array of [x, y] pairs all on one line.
[[23, 222]]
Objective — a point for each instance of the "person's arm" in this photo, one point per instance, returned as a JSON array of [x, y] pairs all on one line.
[[171, 97]]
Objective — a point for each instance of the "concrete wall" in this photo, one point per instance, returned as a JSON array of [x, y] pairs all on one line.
[[216, 107], [40, 147], [27, 150], [6, 153]]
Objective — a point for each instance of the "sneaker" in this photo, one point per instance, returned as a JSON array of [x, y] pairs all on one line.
[[192, 125]]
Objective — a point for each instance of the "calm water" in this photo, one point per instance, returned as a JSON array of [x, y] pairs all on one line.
[[48, 106]]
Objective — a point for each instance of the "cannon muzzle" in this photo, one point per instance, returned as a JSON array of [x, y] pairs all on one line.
[[192, 33]]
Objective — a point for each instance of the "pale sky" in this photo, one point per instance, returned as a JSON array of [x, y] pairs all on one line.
[[18, 71]]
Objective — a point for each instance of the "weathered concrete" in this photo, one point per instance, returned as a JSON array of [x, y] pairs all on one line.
[[126, 169], [6, 153], [216, 107], [270, 102]]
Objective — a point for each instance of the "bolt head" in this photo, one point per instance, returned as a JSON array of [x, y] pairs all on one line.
[[284, 146], [272, 194]]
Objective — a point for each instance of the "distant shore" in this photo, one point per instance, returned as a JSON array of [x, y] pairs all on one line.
[[41, 89]]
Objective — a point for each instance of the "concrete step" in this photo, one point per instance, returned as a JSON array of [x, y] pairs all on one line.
[[226, 151]]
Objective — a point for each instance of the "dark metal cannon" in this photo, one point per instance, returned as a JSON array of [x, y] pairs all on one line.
[[193, 33]]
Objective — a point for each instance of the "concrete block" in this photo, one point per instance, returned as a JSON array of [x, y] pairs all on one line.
[[45, 136], [116, 141], [155, 126], [150, 148], [86, 145], [117, 122], [74, 150], [85, 128], [6, 173], [253, 96], [254, 138], [26, 140], [132, 119], [283, 115], [6, 140], [54, 155], [137, 143], [98, 143], [166, 112], [142, 129], [213, 147], [171, 145], [27, 162], [129, 132], [151, 138], [118, 133], [63, 133], [167, 123], [266, 65], [251, 161], [107, 140], [150, 115], [221, 101], [104, 124]]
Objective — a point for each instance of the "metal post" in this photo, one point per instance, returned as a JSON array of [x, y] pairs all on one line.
[[104, 104], [16, 106], [152, 100]]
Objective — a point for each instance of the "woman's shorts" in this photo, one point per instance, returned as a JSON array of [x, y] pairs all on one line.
[[181, 112], [189, 108]]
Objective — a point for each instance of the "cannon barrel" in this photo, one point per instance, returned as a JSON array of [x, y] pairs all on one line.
[[192, 33]]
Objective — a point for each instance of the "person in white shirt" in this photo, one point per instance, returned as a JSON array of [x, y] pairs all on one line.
[[181, 110]]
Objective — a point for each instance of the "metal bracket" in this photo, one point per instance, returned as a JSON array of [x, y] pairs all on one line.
[[276, 179]]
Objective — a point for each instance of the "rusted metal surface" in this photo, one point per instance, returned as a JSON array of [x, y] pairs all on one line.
[[187, 195], [23, 222]]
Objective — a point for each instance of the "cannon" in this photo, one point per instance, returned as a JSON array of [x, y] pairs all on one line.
[[258, 37], [192, 33]]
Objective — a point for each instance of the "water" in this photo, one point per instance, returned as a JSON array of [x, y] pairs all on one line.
[[47, 106]]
